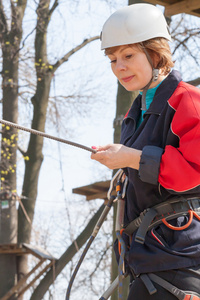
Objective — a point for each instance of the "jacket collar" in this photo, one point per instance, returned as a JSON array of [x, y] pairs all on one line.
[[162, 95], [164, 92]]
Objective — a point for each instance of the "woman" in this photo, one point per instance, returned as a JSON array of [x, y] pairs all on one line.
[[158, 151]]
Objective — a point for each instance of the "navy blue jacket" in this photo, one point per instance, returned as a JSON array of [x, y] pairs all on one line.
[[169, 138]]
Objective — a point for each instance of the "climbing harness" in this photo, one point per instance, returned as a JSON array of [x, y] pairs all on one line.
[[161, 213], [43, 134], [154, 216], [148, 219], [111, 199]]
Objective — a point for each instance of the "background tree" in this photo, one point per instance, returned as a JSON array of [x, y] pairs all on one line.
[[10, 38]]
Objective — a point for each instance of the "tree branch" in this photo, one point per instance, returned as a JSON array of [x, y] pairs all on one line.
[[21, 151], [3, 23], [190, 34], [71, 52], [53, 8], [194, 82]]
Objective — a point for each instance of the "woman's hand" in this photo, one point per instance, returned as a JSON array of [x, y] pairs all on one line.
[[116, 156]]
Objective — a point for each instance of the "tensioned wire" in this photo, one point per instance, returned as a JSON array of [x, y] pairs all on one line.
[[43, 134]]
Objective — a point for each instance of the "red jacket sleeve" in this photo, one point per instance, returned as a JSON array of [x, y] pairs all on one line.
[[180, 167]]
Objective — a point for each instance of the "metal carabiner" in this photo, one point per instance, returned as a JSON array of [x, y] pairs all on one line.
[[117, 175]]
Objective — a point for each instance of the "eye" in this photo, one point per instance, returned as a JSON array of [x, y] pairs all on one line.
[[113, 61], [129, 56]]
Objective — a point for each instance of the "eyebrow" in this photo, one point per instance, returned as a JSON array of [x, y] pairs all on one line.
[[122, 49]]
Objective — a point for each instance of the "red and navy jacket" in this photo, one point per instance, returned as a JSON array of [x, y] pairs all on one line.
[[169, 138]]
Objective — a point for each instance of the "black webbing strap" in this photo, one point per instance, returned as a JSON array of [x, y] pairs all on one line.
[[152, 217], [148, 283], [178, 293], [168, 286], [143, 228]]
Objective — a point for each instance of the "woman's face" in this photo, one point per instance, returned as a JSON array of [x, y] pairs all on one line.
[[131, 67]]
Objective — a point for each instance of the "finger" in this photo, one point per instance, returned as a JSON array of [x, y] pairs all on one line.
[[99, 155], [102, 148]]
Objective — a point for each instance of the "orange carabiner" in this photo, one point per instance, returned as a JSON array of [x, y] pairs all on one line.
[[191, 213], [196, 215]]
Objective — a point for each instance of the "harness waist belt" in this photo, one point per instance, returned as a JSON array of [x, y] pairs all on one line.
[[161, 212]]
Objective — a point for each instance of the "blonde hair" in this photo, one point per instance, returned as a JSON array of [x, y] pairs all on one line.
[[159, 51]]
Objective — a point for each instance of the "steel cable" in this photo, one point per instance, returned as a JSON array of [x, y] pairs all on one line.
[[43, 134]]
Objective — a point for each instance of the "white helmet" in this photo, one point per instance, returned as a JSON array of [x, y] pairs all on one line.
[[134, 24]]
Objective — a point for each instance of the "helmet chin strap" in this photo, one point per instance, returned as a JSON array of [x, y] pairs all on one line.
[[155, 73]]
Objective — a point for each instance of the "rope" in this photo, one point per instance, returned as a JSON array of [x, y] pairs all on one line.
[[40, 133], [121, 264], [78, 266]]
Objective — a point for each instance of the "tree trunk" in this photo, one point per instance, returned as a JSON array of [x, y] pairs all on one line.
[[10, 42], [32, 168], [8, 220], [34, 156]]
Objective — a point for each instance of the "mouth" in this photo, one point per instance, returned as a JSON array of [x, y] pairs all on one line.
[[127, 79]]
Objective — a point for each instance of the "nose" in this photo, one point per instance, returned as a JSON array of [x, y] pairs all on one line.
[[120, 65]]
